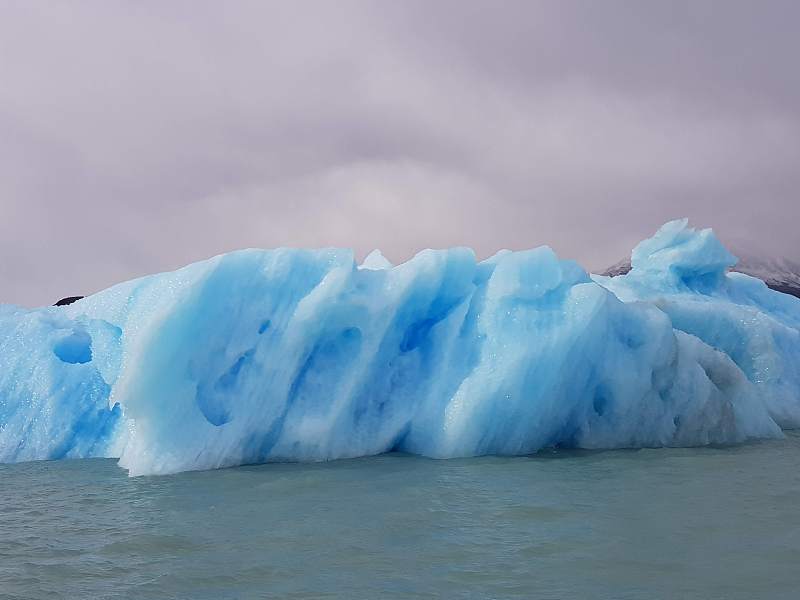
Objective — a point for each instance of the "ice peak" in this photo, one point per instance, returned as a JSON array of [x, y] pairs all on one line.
[[375, 261], [685, 254]]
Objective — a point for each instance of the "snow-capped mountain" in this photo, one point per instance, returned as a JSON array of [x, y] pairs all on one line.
[[780, 274]]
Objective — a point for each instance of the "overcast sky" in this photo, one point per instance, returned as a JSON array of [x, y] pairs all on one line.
[[139, 136]]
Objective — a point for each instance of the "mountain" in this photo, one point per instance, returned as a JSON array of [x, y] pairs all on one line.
[[67, 301], [780, 274]]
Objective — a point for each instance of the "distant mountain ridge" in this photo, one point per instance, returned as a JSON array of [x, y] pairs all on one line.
[[780, 274]]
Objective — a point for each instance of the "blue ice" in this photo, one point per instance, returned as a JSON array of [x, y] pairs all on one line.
[[305, 355]]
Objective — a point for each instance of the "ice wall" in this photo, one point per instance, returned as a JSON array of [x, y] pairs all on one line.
[[263, 355]]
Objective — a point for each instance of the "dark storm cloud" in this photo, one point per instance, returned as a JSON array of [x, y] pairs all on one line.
[[136, 137]]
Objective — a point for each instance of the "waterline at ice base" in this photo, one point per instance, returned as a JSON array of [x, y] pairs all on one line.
[[304, 355]]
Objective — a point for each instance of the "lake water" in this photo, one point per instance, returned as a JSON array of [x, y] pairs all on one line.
[[686, 523]]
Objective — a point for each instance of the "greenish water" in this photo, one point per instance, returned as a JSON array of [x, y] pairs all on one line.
[[690, 523]]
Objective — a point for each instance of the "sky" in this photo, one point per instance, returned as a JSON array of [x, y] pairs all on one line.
[[136, 137]]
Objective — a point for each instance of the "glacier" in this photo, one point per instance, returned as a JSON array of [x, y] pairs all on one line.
[[304, 355]]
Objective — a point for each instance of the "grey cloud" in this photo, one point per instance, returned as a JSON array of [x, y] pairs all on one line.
[[135, 137]]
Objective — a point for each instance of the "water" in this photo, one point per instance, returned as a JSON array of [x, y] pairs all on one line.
[[690, 523]]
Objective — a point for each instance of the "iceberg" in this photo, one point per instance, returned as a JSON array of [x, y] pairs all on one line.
[[305, 355]]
